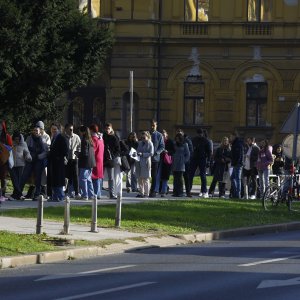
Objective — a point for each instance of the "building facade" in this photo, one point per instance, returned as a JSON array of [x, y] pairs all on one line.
[[220, 65]]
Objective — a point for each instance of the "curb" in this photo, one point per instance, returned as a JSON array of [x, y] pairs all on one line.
[[149, 242]]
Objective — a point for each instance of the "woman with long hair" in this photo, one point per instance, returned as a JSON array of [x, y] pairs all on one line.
[[86, 163], [145, 150]]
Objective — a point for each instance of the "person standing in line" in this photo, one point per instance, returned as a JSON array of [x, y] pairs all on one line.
[[131, 180], [237, 154], [164, 169], [158, 144], [5, 139], [86, 163], [264, 162], [57, 161], [45, 136], [112, 161], [47, 140], [97, 173], [21, 154], [279, 159], [180, 158], [187, 140], [38, 151], [145, 151], [201, 156], [222, 160], [72, 173], [210, 163], [249, 169]]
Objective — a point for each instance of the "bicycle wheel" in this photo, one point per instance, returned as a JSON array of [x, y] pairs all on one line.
[[270, 198]]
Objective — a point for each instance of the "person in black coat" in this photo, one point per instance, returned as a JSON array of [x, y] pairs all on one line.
[[112, 161], [131, 180], [201, 157], [222, 160], [237, 154], [164, 168], [86, 163], [57, 159]]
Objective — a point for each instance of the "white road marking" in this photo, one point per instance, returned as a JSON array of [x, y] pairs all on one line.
[[277, 283], [107, 269], [72, 275], [120, 288], [268, 261]]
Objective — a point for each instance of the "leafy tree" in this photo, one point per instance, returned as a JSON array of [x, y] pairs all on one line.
[[47, 47]]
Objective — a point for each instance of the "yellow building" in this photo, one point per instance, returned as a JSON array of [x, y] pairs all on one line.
[[220, 65]]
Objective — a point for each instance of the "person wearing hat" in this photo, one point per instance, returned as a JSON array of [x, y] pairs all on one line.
[[45, 136], [47, 140]]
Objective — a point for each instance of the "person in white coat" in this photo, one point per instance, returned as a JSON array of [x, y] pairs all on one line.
[[145, 151]]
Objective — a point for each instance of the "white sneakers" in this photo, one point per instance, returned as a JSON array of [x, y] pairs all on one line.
[[204, 195]]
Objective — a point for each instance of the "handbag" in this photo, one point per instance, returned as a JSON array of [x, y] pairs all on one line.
[[167, 159], [108, 160], [125, 167]]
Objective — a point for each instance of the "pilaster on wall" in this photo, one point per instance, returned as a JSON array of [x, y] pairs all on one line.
[[279, 10]]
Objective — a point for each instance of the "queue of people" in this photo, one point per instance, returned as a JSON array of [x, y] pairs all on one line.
[[74, 165]]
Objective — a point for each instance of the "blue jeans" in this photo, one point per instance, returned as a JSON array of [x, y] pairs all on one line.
[[85, 183], [194, 164], [97, 184], [164, 182], [58, 193], [131, 180], [263, 180], [236, 178]]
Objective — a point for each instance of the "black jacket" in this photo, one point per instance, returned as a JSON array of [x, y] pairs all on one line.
[[237, 152], [201, 148], [86, 155]]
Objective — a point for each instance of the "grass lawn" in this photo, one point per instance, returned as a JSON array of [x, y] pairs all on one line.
[[12, 244], [158, 217], [171, 217]]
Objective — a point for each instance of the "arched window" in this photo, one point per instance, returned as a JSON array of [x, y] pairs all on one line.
[[256, 108], [78, 112], [194, 88], [99, 107]]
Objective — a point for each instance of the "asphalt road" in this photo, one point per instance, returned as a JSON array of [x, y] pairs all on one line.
[[257, 267]]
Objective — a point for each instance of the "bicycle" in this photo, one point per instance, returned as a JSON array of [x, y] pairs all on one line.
[[284, 191]]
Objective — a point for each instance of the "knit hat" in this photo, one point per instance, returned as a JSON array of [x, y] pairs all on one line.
[[40, 124]]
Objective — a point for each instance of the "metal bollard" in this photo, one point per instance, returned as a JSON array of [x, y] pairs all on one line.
[[40, 215], [118, 211], [94, 215], [66, 229]]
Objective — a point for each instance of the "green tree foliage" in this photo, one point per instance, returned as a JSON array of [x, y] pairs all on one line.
[[47, 47]]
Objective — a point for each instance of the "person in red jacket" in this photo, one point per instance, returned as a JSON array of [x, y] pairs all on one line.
[[97, 173], [5, 139]]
